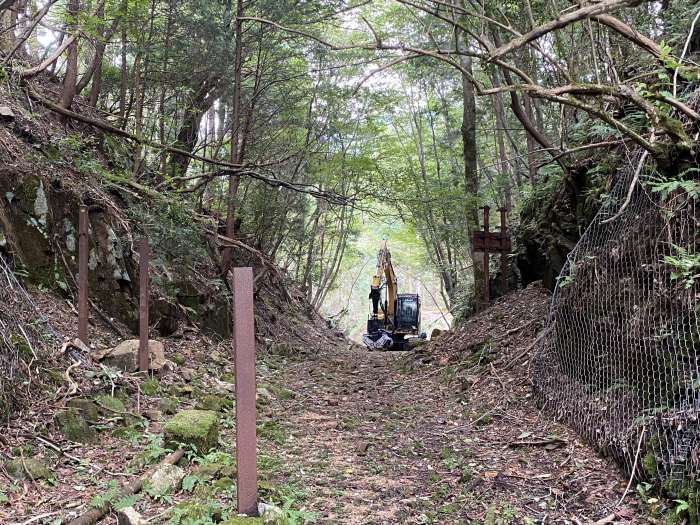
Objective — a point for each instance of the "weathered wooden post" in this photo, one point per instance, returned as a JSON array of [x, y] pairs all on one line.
[[244, 355], [144, 292], [83, 257], [487, 297]]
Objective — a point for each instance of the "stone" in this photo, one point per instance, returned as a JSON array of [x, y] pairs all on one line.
[[187, 374], [214, 403], [73, 426], [129, 516], [166, 480], [272, 515], [224, 483], [283, 349], [87, 408], [125, 356], [29, 468], [168, 405], [153, 415], [436, 333], [6, 113], [193, 427], [263, 394]]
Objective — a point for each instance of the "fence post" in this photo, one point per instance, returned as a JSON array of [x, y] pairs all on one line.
[[83, 256], [244, 355], [487, 292], [144, 292], [504, 256]]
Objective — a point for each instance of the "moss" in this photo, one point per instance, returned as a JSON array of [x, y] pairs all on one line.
[[110, 405], [195, 512], [72, 425], [88, 409], [228, 378], [168, 405], [214, 403], [240, 520], [483, 420], [199, 428], [650, 465], [179, 359], [224, 483], [150, 386], [28, 468]]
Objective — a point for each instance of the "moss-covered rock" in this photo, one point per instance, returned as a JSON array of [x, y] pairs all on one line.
[[195, 512], [199, 428], [214, 403], [110, 405], [73, 425], [27, 468], [87, 408], [168, 405], [224, 483]]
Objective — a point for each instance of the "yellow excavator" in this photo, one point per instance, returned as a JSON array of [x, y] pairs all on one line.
[[394, 317]]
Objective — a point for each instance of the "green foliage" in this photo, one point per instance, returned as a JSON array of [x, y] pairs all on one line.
[[666, 187], [154, 449], [686, 265]]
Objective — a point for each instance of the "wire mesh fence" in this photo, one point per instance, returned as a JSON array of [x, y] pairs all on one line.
[[619, 359], [25, 339]]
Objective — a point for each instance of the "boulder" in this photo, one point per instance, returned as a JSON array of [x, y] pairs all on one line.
[[125, 356], [73, 425], [165, 480], [193, 427], [28, 468]]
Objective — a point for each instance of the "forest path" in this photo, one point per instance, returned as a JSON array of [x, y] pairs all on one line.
[[370, 442]]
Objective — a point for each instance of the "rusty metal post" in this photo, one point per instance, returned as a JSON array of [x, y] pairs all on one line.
[[504, 256], [144, 291], [83, 257], [244, 355], [486, 259]]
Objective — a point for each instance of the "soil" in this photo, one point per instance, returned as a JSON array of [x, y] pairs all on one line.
[[445, 434]]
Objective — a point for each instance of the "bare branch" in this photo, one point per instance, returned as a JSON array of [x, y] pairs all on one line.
[[564, 20]]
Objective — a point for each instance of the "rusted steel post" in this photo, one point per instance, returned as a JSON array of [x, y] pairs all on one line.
[[486, 258], [244, 355], [144, 292], [83, 257], [504, 256]]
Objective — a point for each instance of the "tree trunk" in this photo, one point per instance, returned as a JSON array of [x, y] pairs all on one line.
[[71, 77], [233, 180]]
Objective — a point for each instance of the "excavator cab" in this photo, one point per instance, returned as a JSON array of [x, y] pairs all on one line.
[[407, 312]]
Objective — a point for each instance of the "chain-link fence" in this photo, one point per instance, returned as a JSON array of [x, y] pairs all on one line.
[[619, 359]]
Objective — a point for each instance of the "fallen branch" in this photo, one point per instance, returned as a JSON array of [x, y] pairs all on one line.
[[522, 354], [94, 515], [537, 443]]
